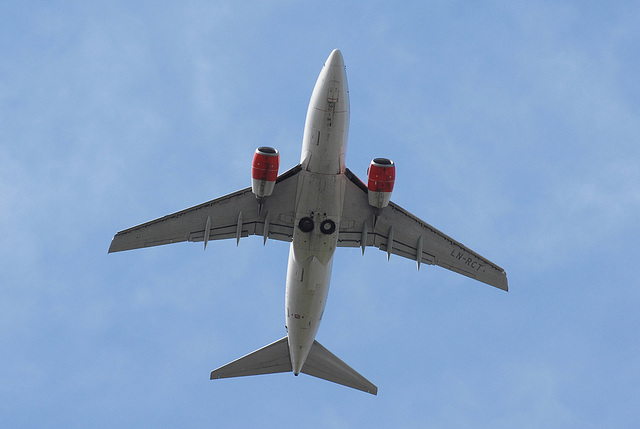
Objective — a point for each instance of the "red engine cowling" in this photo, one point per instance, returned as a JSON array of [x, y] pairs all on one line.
[[264, 171], [382, 177]]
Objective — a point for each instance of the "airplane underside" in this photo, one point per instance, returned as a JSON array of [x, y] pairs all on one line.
[[316, 206]]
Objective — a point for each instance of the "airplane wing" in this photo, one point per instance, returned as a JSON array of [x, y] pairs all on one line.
[[399, 232], [232, 216]]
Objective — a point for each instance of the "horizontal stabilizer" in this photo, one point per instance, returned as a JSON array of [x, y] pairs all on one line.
[[323, 364], [275, 358], [268, 360]]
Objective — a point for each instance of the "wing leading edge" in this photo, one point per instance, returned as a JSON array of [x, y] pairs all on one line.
[[231, 216], [399, 232]]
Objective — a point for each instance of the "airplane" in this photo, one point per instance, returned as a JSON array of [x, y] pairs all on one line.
[[317, 206]]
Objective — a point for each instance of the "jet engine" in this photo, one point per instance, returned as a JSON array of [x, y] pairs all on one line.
[[382, 176], [264, 171]]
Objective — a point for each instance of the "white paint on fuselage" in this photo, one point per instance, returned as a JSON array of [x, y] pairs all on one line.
[[320, 196]]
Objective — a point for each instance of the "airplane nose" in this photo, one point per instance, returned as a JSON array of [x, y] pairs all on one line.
[[335, 59]]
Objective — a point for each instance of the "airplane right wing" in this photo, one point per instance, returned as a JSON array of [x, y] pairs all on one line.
[[232, 216], [395, 230]]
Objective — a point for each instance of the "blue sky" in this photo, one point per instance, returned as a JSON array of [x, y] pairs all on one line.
[[514, 127]]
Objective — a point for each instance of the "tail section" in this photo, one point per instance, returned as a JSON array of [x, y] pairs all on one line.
[[323, 364], [267, 360], [274, 358]]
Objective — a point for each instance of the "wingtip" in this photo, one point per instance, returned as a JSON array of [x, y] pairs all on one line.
[[113, 248], [116, 244]]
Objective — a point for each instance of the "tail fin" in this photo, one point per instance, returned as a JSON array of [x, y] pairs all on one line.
[[274, 358]]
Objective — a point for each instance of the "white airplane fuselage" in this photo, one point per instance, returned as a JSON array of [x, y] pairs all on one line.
[[312, 206], [319, 202]]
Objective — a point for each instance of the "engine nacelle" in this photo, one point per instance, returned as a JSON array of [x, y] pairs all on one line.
[[264, 171], [382, 177]]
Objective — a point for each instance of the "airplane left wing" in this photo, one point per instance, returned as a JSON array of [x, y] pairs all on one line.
[[232, 216], [399, 232]]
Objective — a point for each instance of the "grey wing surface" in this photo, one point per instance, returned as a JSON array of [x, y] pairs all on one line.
[[231, 216], [400, 233]]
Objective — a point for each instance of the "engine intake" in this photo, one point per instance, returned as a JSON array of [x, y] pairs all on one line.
[[382, 177], [264, 171]]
